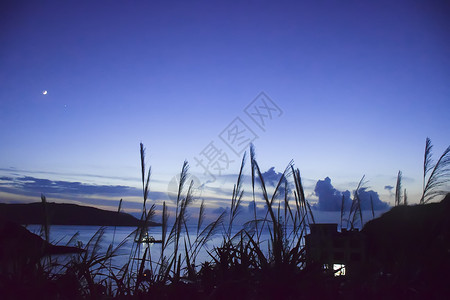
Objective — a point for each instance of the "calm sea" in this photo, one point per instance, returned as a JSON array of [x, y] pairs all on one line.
[[63, 234]]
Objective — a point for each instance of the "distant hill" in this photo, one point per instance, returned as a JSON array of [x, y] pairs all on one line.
[[413, 242], [67, 214]]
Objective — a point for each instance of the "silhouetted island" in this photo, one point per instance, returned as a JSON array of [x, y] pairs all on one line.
[[21, 249], [67, 214]]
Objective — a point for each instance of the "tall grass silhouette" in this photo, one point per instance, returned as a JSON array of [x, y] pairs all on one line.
[[435, 174], [243, 257]]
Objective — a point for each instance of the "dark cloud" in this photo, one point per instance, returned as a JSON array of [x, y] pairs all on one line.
[[330, 199], [251, 207], [220, 210], [21, 172], [365, 197], [246, 213], [77, 192], [30, 184], [271, 177], [388, 187], [251, 210]]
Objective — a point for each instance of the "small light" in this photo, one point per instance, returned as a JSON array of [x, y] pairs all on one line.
[[44, 92]]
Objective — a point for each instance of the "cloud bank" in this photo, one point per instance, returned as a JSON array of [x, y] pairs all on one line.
[[271, 177], [28, 184], [32, 186], [330, 199]]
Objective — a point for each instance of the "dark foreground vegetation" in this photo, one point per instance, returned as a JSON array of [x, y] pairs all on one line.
[[408, 250]]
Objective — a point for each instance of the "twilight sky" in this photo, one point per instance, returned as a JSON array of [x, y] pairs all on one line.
[[344, 88]]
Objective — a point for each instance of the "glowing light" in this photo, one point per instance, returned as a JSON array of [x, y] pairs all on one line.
[[44, 92], [339, 269]]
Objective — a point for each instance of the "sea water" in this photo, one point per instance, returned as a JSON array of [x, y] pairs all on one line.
[[71, 235]]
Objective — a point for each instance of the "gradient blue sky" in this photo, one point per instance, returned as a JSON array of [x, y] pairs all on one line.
[[359, 86]]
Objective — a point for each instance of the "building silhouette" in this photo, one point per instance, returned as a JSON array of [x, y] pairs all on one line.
[[333, 252]]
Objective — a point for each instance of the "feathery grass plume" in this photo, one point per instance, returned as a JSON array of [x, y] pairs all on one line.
[[287, 208], [114, 233], [91, 264], [439, 174], [45, 227], [236, 197], [282, 180], [298, 212], [255, 166], [112, 270], [45, 233], [193, 249], [141, 270], [177, 272], [122, 281], [183, 177], [252, 158], [189, 265], [205, 235], [303, 217], [145, 180], [427, 163], [342, 208], [165, 220], [277, 241], [297, 223], [356, 205], [162, 260], [255, 169], [142, 152], [282, 220], [201, 216], [300, 195], [175, 232], [179, 209], [115, 225], [371, 207], [398, 189], [261, 261], [405, 198], [350, 214], [304, 204], [142, 228], [189, 199], [73, 238]]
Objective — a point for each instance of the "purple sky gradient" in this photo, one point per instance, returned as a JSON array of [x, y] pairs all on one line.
[[360, 86]]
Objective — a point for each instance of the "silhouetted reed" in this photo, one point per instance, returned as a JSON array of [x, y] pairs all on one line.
[[242, 258], [435, 175]]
